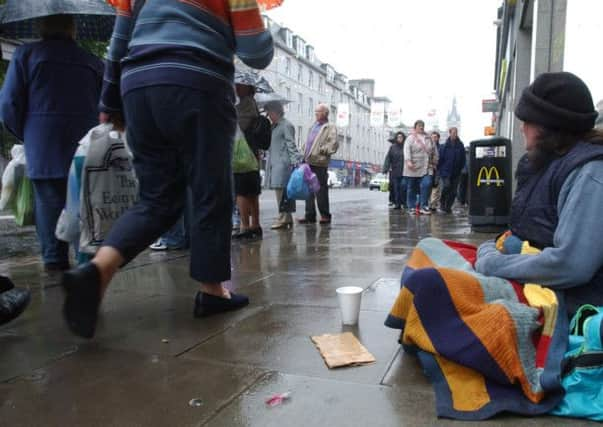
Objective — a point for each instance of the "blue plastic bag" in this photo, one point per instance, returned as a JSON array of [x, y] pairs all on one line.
[[582, 371], [298, 188]]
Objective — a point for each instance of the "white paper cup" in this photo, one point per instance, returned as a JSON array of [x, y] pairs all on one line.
[[349, 302]]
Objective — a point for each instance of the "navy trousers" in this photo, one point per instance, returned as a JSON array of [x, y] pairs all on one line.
[[181, 137], [321, 198]]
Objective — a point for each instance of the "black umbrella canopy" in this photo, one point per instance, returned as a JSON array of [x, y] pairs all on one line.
[[94, 18]]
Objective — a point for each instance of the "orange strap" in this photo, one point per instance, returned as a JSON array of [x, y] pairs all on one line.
[[122, 5]]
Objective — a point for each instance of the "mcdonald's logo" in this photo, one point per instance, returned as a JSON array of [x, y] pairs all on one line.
[[488, 174]]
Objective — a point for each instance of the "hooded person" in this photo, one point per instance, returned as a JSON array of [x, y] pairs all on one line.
[[557, 205], [394, 165]]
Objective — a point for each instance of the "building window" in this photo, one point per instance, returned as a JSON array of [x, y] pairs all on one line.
[[300, 73], [300, 47], [311, 56], [330, 74], [299, 136], [289, 38], [310, 106], [288, 66], [300, 102], [288, 92], [321, 84], [311, 79]]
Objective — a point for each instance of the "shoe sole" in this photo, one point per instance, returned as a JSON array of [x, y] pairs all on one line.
[[211, 312]]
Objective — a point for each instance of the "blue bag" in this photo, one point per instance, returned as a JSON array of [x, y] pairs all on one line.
[[582, 370], [298, 188]]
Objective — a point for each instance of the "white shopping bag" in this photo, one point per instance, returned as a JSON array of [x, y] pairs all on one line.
[[68, 225], [108, 186], [13, 173]]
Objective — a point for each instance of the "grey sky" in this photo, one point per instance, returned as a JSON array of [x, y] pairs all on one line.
[[420, 52], [583, 36]]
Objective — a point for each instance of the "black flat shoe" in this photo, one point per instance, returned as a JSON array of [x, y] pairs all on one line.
[[12, 303], [254, 234], [207, 305], [241, 235], [5, 284], [82, 299]]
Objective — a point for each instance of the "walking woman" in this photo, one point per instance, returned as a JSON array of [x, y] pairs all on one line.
[[175, 89], [283, 156], [248, 185], [419, 159], [394, 165]]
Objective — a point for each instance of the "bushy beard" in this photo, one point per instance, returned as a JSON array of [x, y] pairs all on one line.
[[541, 156]]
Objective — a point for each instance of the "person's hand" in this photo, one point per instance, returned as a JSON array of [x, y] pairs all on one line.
[[411, 166], [116, 119]]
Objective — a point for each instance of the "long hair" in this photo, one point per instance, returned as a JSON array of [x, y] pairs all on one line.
[[553, 143], [396, 137]]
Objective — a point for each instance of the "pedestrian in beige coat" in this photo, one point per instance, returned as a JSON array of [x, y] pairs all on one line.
[[320, 145]]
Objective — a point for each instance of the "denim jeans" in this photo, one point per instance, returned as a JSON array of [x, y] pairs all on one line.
[[50, 197], [426, 185], [412, 191], [180, 138]]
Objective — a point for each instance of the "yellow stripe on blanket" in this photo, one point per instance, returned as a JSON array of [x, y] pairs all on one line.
[[415, 334], [467, 387], [402, 305], [419, 259]]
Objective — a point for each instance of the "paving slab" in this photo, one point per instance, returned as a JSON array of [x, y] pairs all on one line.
[[278, 338], [98, 387]]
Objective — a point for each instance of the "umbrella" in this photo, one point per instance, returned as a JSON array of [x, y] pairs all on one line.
[[262, 99], [94, 18], [269, 4], [251, 78]]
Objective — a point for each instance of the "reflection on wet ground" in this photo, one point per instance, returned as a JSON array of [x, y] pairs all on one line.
[[153, 364]]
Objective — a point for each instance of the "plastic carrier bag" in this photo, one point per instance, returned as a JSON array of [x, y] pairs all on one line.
[[302, 183], [17, 190], [243, 159], [101, 187]]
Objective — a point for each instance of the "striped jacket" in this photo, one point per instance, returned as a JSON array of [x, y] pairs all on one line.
[[180, 42]]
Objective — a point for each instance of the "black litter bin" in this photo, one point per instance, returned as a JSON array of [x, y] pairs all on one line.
[[490, 184]]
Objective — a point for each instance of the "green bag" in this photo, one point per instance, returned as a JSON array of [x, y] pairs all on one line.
[[384, 186], [23, 207], [243, 159]]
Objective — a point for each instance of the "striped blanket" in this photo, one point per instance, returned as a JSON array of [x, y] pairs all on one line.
[[487, 344]]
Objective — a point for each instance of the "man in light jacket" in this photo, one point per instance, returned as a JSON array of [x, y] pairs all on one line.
[[320, 145]]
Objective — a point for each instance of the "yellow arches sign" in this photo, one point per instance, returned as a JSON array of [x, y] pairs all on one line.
[[489, 176]]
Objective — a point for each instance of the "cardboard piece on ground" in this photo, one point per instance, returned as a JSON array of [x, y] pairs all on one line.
[[342, 350]]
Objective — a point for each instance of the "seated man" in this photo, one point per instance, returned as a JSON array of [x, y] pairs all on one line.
[[491, 327], [557, 205]]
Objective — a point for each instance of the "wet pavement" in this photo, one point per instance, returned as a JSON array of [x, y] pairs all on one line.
[[150, 357]]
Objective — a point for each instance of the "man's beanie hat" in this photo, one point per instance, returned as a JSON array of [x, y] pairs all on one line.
[[557, 101]]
